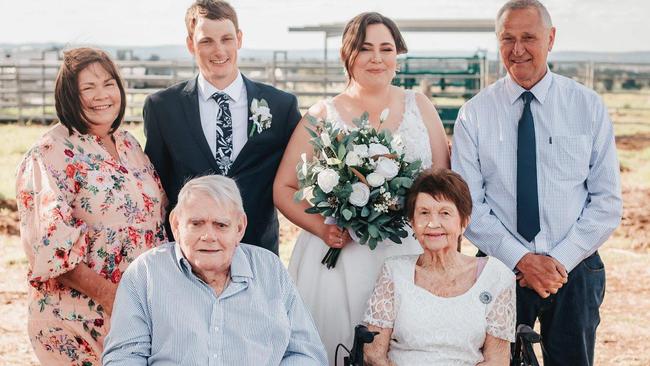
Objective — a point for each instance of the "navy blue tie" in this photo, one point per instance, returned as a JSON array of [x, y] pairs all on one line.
[[527, 202]]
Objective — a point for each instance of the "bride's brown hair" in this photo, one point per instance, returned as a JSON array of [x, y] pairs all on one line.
[[354, 35]]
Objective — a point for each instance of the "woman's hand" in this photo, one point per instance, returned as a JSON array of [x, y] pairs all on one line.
[[376, 353], [91, 284], [107, 300], [334, 236]]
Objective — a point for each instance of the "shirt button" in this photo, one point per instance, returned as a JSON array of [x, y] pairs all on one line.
[[216, 329], [214, 355]]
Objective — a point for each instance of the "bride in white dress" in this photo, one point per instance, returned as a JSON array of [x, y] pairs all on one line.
[[337, 297]]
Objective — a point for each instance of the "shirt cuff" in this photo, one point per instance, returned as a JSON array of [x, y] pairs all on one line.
[[510, 252], [568, 254]]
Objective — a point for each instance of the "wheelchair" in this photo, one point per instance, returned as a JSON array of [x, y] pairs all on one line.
[[523, 352], [362, 336]]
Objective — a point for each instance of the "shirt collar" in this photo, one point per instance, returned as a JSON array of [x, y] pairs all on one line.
[[206, 90], [183, 264], [240, 268], [539, 90]]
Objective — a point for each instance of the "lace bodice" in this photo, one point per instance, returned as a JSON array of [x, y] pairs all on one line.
[[433, 330], [411, 130]]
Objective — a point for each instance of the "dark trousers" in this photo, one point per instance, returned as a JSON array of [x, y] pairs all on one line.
[[568, 319]]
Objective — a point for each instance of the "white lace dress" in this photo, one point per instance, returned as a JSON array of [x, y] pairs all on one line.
[[433, 330], [337, 297]]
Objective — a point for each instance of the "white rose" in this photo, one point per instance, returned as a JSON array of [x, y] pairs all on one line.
[[375, 179], [325, 137], [387, 168], [377, 149], [352, 159], [360, 150], [360, 194], [327, 180]]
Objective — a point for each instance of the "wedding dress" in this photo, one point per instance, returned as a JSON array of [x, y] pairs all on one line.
[[337, 297]]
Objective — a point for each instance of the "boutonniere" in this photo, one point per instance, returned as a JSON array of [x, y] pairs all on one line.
[[260, 115]]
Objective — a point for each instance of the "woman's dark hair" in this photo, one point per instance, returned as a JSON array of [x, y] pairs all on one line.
[[441, 184], [67, 98], [354, 35]]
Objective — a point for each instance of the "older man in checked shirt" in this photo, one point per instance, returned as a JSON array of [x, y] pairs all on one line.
[[538, 152], [207, 299]]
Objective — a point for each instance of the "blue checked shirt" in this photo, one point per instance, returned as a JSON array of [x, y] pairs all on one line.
[[165, 315], [579, 188]]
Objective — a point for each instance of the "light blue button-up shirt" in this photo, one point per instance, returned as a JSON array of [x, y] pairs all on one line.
[[578, 179], [165, 315]]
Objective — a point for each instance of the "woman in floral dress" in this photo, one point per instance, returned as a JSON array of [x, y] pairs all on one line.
[[90, 202]]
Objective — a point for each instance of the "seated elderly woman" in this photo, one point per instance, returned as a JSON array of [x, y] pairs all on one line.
[[441, 307], [209, 299]]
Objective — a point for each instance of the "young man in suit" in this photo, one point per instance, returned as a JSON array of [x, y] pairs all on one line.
[[220, 122]]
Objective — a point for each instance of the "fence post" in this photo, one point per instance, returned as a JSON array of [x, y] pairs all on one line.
[[19, 97], [42, 83]]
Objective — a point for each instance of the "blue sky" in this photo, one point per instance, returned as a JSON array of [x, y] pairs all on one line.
[[583, 25]]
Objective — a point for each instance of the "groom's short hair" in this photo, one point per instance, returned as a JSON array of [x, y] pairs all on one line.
[[211, 9]]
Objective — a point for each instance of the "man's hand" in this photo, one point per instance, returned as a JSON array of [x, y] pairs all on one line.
[[544, 274]]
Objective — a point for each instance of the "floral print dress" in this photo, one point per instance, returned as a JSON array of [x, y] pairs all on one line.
[[80, 206]]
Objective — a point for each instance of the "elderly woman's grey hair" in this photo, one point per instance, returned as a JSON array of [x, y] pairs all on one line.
[[222, 190], [523, 4]]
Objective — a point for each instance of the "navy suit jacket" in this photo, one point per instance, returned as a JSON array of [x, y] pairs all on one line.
[[179, 151]]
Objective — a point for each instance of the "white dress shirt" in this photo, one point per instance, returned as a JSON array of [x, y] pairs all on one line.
[[238, 110], [578, 179]]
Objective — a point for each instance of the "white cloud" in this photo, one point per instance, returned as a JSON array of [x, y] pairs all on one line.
[[604, 25]]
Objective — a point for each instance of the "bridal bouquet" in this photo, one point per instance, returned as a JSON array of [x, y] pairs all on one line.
[[358, 179]]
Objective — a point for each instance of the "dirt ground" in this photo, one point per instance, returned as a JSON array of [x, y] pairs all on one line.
[[622, 336]]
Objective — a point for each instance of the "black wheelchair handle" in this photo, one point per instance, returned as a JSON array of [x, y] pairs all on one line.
[[528, 334]]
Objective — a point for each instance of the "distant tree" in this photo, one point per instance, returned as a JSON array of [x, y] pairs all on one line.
[[630, 84], [608, 84]]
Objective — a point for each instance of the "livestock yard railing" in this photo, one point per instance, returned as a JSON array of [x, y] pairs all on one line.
[[27, 87]]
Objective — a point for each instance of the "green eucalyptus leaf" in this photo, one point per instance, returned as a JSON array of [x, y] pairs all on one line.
[[373, 231], [312, 120], [372, 243], [313, 210], [373, 215], [298, 196]]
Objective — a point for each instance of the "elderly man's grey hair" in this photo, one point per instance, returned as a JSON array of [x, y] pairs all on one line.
[[523, 4], [221, 189]]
